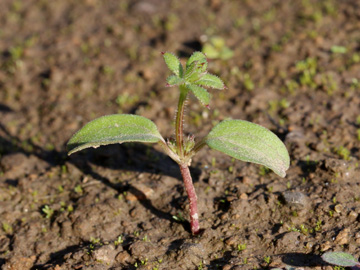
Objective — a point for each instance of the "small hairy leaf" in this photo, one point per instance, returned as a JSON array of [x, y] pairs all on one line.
[[201, 93], [200, 58], [210, 80], [173, 63], [116, 128], [193, 72], [339, 258], [174, 80], [250, 142]]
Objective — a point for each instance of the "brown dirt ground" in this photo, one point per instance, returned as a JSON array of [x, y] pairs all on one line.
[[66, 62]]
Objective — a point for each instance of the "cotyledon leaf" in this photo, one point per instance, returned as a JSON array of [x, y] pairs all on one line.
[[340, 258], [116, 128], [250, 142]]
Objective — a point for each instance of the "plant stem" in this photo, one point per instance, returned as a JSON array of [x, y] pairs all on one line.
[[190, 190], [184, 168], [179, 123]]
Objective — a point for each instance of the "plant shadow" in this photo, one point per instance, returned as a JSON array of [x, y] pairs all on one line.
[[302, 260], [133, 157]]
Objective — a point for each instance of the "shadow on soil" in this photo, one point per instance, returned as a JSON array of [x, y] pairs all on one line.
[[294, 260], [302, 260], [58, 257], [130, 157]]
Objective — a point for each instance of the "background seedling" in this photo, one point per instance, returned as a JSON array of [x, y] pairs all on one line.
[[215, 48], [237, 138]]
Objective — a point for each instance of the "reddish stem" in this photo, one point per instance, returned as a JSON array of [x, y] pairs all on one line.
[[190, 190]]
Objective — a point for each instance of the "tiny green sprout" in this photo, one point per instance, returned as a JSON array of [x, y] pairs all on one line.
[[239, 139], [47, 211], [267, 259], [241, 247], [341, 259], [78, 189], [94, 240], [119, 240], [146, 238], [7, 227], [338, 49], [179, 217]]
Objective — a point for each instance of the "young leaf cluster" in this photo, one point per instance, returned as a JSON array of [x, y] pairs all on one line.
[[194, 77]]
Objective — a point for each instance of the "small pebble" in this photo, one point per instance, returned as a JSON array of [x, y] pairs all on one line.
[[338, 208], [246, 180], [232, 241], [243, 196], [105, 254], [325, 246], [353, 215], [123, 257], [139, 192], [343, 237], [336, 165], [297, 199]]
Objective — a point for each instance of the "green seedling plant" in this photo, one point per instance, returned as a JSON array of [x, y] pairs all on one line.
[[237, 138], [216, 49], [341, 259]]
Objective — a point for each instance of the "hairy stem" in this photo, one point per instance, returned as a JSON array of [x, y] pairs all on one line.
[[190, 190], [180, 121]]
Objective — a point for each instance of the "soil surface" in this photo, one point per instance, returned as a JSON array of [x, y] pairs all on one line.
[[295, 69]]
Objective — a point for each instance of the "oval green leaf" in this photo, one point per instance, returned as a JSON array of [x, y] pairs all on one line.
[[116, 128], [250, 142], [340, 258]]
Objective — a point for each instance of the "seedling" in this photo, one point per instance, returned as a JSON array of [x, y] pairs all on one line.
[[47, 211], [237, 138], [216, 48], [341, 259]]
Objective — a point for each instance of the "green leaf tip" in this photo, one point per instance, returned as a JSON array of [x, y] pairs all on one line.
[[340, 258], [173, 63], [116, 128], [200, 59], [200, 93], [174, 80], [211, 81], [250, 142]]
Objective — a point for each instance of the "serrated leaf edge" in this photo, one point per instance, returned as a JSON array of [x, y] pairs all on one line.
[[180, 68], [198, 82], [209, 95]]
